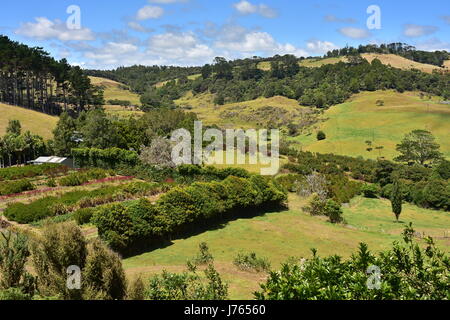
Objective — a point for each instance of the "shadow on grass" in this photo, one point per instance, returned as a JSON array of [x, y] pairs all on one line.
[[148, 245]]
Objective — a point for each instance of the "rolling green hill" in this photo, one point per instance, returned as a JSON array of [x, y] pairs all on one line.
[[115, 90], [351, 124]]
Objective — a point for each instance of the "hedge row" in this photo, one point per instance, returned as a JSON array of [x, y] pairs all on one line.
[[184, 174], [52, 206], [125, 225], [14, 187], [104, 158], [81, 177], [14, 173]]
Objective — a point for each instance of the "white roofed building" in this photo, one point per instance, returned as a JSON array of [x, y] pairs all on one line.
[[52, 159]]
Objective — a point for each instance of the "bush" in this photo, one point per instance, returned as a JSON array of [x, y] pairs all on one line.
[[248, 262], [73, 179], [14, 173], [103, 275], [333, 211], [321, 136], [83, 216], [370, 191], [204, 256], [14, 187], [51, 183], [289, 182]]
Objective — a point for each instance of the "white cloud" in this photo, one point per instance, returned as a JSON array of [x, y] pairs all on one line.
[[414, 30], [354, 33], [180, 48], [244, 7], [254, 42], [321, 47], [149, 12], [136, 26], [333, 18], [433, 44], [44, 29]]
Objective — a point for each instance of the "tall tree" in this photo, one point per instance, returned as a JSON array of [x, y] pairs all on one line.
[[64, 134], [14, 127], [420, 147], [396, 199]]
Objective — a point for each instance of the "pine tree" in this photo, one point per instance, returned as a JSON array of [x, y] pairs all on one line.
[[396, 199]]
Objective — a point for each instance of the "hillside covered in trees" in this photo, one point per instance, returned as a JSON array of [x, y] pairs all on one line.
[[436, 58], [30, 78]]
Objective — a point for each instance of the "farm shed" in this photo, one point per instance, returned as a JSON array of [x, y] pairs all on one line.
[[52, 159]]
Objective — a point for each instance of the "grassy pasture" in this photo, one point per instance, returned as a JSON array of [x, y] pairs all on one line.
[[208, 112], [351, 124], [36, 122], [291, 233], [115, 90], [400, 62]]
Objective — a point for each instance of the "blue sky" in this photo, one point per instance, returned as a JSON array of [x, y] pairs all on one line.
[[193, 32]]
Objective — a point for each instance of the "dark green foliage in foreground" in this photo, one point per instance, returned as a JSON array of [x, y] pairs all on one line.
[[14, 253], [188, 285], [408, 272], [124, 225], [62, 245]]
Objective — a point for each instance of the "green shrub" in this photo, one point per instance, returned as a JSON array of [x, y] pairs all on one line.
[[115, 225], [321, 136], [42, 208], [14, 173], [83, 216], [289, 182], [203, 257], [13, 187], [73, 179], [248, 262], [51, 183], [333, 211], [370, 191]]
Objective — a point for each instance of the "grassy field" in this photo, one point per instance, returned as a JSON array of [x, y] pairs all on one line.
[[312, 63], [351, 124], [400, 62], [115, 90], [240, 114], [36, 122], [292, 233]]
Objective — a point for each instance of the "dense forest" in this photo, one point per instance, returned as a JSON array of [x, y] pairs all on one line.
[[30, 78], [321, 87], [436, 58]]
